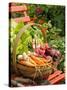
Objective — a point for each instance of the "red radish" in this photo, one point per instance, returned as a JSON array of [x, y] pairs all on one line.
[[41, 52], [37, 50]]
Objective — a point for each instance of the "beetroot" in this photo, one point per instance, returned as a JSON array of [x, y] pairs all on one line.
[[52, 52], [55, 54], [48, 52]]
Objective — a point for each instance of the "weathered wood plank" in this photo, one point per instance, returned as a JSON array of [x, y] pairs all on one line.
[[54, 75], [18, 8], [22, 19], [57, 79]]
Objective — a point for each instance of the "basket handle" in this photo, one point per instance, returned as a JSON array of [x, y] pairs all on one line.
[[17, 40]]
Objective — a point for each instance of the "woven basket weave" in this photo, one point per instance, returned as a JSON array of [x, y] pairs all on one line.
[[25, 70]]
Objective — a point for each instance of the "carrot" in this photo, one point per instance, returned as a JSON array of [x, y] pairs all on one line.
[[48, 64], [36, 60], [21, 62], [26, 63], [31, 61], [45, 60]]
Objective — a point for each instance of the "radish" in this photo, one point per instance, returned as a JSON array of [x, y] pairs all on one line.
[[19, 57]]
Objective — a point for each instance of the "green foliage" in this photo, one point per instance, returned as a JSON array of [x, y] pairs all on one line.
[[24, 40], [58, 44], [54, 13], [47, 25], [31, 10], [57, 15], [61, 66], [25, 43], [14, 29]]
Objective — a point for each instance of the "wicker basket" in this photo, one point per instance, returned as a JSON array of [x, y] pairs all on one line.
[[25, 70]]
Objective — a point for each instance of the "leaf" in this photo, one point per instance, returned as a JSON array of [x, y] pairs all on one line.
[[18, 27]]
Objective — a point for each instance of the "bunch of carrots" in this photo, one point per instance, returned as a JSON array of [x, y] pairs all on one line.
[[34, 60]]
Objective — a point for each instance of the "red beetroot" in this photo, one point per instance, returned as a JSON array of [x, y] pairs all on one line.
[[52, 52], [46, 51]]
